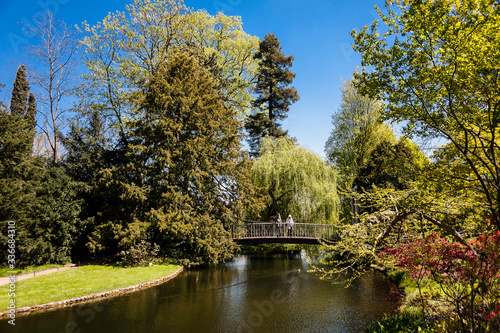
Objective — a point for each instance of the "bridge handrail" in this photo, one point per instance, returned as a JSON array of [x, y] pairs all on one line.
[[268, 229]]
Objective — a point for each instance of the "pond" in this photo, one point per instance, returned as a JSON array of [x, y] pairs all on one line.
[[252, 293]]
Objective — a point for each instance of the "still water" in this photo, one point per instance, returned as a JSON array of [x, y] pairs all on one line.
[[253, 293]]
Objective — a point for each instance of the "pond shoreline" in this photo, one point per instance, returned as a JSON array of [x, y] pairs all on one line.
[[91, 298]]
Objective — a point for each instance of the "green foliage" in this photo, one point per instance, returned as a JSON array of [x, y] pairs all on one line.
[[155, 154], [88, 152], [357, 248], [38, 196], [387, 217], [391, 166], [18, 127], [190, 238], [460, 280], [298, 182], [188, 147], [437, 67], [183, 175], [31, 117], [42, 200], [141, 254], [259, 126], [274, 96], [12, 147], [401, 322], [230, 50], [14, 142], [358, 129], [126, 48], [18, 103]]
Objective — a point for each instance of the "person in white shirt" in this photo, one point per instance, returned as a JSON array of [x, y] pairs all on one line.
[[289, 225]]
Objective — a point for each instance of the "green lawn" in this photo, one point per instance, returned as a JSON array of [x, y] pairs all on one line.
[[81, 281]]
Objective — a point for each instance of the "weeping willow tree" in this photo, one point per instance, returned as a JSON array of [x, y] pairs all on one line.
[[298, 182]]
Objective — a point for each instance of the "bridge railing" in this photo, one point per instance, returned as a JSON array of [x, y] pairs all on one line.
[[268, 229]]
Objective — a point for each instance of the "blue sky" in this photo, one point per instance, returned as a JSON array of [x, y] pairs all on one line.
[[315, 31]]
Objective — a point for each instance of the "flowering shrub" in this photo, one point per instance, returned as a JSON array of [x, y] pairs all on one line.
[[467, 275], [395, 292]]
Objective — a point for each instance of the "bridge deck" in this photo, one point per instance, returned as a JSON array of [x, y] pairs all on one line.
[[276, 240]]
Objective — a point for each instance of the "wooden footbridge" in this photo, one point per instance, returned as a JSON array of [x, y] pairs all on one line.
[[267, 233]]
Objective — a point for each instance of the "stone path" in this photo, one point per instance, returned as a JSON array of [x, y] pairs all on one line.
[[5, 280]]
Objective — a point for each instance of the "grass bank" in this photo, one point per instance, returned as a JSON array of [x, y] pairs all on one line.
[[80, 281]]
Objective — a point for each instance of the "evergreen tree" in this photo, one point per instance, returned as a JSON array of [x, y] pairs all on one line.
[[88, 152], [41, 198], [31, 113], [87, 149], [188, 145], [258, 126], [18, 103], [23, 108], [14, 142], [274, 92], [184, 176], [31, 118]]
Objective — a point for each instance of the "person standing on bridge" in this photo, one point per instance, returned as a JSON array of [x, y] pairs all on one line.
[[277, 221], [289, 225]]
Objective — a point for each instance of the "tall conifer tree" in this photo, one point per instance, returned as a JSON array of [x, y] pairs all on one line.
[[274, 92], [18, 103], [22, 116]]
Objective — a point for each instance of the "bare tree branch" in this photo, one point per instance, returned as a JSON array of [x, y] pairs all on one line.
[[54, 75]]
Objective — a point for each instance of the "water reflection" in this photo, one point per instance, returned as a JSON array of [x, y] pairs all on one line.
[[258, 293]]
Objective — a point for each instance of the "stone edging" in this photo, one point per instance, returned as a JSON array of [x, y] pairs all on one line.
[[94, 297]]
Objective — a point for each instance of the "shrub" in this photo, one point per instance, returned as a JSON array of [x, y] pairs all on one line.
[[466, 276], [140, 254], [401, 322]]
